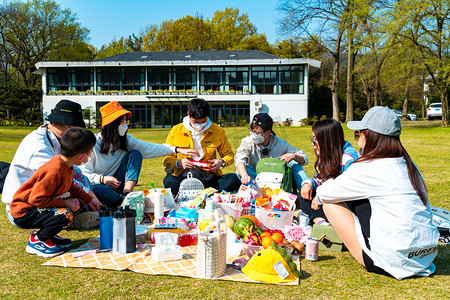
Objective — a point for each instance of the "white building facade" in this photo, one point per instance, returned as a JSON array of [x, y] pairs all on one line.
[[156, 86]]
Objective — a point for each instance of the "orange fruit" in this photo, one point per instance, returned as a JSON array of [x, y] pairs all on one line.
[[264, 234], [277, 237], [266, 242]]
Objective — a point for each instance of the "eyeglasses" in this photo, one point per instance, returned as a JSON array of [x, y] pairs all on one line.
[[256, 132], [313, 141], [357, 135]]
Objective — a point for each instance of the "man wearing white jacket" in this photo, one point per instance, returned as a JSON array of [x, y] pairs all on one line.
[[379, 206]]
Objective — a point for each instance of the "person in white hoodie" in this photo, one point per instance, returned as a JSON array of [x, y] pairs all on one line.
[[379, 206], [115, 163]]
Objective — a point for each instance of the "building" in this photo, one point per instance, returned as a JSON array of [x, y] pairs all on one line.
[[156, 86]]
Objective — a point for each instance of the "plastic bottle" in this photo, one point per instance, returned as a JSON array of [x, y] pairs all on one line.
[[130, 215], [209, 210], [119, 232], [253, 203], [106, 228], [159, 205]]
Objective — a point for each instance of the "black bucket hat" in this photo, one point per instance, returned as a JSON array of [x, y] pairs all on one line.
[[67, 112]]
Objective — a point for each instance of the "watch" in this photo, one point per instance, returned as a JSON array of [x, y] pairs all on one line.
[[224, 163], [176, 149]]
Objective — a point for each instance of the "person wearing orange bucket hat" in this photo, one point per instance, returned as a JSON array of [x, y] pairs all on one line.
[[115, 164]]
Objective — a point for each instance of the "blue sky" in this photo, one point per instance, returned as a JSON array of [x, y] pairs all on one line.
[[108, 20]]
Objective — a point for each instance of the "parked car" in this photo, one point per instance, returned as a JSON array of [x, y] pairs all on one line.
[[434, 111], [411, 117]]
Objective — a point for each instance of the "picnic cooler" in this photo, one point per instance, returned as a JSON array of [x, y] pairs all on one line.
[[328, 238], [274, 219], [212, 248]]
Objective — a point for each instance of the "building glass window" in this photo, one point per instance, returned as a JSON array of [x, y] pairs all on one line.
[[184, 78], [133, 79], [236, 79], [79, 79], [158, 79], [211, 78], [108, 79], [278, 80]]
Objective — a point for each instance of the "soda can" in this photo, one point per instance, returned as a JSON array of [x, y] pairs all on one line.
[[312, 249], [303, 220]]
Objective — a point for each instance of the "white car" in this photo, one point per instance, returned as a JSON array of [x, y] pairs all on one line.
[[411, 117], [434, 111]]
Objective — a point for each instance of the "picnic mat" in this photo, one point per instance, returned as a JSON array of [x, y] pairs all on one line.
[[141, 262]]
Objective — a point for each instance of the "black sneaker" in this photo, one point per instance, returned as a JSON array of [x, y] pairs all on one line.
[[61, 242]]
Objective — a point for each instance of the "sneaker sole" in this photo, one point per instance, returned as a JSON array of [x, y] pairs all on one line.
[[39, 253], [85, 220]]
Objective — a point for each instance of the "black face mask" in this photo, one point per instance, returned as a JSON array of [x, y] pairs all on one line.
[[265, 151]]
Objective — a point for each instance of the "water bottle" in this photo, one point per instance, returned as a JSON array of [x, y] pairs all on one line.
[[119, 232], [106, 228], [253, 200], [130, 215], [159, 205]]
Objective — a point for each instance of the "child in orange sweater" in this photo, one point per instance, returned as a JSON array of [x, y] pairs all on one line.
[[49, 198]]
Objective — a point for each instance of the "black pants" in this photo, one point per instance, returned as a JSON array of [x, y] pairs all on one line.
[[227, 182], [50, 221], [305, 206]]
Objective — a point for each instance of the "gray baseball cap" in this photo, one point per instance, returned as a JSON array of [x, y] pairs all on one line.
[[380, 119]]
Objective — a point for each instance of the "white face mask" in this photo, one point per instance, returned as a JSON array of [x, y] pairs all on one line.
[[123, 129], [256, 138], [197, 126]]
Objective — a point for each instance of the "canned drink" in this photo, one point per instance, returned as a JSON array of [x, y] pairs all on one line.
[[312, 249], [303, 220]]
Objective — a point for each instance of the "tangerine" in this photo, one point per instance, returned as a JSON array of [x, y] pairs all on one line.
[[265, 234], [266, 242], [277, 237]]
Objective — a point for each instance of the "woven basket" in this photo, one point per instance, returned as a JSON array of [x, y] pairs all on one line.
[[189, 188], [212, 248]]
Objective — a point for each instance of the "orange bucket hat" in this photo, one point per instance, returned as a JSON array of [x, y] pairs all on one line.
[[111, 111]]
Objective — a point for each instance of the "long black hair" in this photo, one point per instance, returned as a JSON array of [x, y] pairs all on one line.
[[330, 137], [111, 140]]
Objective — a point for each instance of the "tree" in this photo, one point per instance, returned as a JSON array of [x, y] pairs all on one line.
[[33, 31], [432, 21], [324, 19]]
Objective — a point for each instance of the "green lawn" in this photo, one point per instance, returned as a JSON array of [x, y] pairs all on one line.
[[335, 275]]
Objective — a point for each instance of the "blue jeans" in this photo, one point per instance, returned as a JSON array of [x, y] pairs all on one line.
[[129, 170], [297, 171]]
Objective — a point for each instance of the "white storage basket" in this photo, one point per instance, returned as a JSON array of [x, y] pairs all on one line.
[[212, 248], [232, 209], [273, 219]]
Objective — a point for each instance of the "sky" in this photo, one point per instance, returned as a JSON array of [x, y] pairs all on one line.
[[108, 20]]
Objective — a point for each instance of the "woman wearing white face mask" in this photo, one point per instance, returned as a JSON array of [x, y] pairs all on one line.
[[263, 143], [115, 164]]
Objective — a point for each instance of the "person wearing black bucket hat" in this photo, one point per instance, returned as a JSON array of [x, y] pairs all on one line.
[[263, 143], [38, 147]]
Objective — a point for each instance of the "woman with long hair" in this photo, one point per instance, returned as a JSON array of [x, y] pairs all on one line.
[[333, 157], [115, 164], [379, 206]]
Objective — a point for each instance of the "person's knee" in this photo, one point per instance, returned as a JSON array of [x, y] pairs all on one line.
[[135, 155]]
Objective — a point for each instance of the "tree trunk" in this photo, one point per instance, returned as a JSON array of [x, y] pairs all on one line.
[[405, 103], [444, 102], [350, 81], [335, 89]]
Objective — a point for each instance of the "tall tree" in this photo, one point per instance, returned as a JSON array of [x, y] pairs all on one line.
[[324, 19], [34, 30]]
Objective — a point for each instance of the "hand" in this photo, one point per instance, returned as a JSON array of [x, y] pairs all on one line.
[[306, 192], [216, 164], [188, 152], [111, 181], [314, 204], [186, 164], [95, 204], [245, 179], [288, 157], [73, 204]]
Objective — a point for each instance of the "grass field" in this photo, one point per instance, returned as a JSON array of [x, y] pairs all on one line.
[[335, 275]]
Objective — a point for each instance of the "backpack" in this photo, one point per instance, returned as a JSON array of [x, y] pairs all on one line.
[[274, 173]]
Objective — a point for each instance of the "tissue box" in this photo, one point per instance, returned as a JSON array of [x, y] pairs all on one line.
[[165, 253]]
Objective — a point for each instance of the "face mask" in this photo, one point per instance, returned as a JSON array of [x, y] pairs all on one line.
[[123, 129], [198, 127], [256, 138]]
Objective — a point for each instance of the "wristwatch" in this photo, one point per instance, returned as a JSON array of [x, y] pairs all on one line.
[[176, 149], [224, 163]]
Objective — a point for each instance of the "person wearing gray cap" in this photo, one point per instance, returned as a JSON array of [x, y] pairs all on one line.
[[379, 206], [38, 147]]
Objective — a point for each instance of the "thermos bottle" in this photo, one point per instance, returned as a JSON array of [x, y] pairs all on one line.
[[119, 232], [106, 228], [131, 229]]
